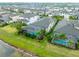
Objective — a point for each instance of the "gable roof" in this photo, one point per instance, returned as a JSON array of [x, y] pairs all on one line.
[[69, 30], [5, 18], [61, 24], [41, 24], [44, 22], [28, 15]]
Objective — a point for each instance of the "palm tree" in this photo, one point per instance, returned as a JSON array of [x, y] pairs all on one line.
[[57, 18], [43, 33], [50, 34]]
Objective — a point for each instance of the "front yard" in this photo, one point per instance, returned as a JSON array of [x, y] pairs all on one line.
[[43, 48]]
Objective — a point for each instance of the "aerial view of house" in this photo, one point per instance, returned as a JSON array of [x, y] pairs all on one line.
[[39, 29]]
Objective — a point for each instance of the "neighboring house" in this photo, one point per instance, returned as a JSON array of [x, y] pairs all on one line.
[[62, 24], [27, 11], [5, 18], [44, 23], [9, 18], [14, 18], [69, 29], [29, 18], [72, 33]]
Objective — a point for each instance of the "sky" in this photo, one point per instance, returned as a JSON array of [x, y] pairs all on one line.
[[50, 1]]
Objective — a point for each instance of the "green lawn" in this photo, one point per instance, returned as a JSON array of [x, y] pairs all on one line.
[[43, 48]]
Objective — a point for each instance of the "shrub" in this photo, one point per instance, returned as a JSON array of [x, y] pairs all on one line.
[[3, 24], [70, 43], [49, 37], [62, 36], [40, 37], [18, 25]]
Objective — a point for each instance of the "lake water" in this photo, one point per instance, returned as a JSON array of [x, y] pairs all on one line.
[[39, 5], [8, 51]]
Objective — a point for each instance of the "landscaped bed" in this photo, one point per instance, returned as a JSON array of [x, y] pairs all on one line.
[[62, 39]]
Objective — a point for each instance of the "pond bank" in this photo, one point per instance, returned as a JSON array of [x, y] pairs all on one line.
[[21, 51]]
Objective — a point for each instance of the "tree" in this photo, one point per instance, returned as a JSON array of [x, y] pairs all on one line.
[[21, 11], [18, 25], [51, 32], [42, 34], [57, 18], [72, 19], [43, 15]]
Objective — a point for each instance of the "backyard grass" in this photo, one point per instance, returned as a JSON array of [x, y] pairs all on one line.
[[43, 48], [9, 29]]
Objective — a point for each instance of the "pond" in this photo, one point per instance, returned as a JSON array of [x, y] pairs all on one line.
[[8, 51]]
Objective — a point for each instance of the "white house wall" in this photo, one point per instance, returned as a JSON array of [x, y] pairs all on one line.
[[50, 26], [33, 19]]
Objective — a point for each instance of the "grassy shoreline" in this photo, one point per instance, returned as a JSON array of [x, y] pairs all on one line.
[[22, 52]]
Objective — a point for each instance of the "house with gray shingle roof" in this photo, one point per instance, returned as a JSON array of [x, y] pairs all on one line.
[[5, 18], [72, 34], [29, 18], [44, 23], [69, 30]]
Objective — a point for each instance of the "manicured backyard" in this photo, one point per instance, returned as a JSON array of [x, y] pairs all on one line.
[[43, 48]]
